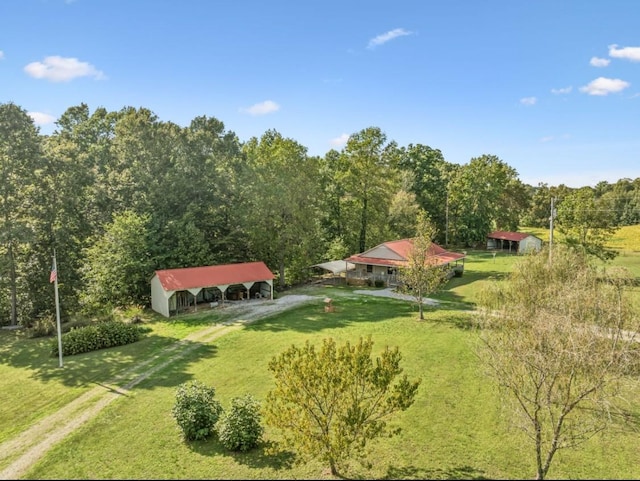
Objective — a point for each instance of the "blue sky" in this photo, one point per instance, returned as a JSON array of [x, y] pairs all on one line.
[[550, 87]]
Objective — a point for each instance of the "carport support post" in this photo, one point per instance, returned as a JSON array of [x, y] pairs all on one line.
[[223, 289]]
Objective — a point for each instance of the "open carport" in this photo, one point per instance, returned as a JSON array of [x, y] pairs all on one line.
[[180, 290]]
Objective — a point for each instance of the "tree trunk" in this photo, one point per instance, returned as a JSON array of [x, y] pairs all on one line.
[[281, 270], [14, 287], [334, 469], [363, 225]]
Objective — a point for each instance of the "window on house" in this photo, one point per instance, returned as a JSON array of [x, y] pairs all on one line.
[[369, 268]]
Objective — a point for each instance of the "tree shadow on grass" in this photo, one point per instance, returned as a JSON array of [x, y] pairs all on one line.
[[168, 361], [265, 455], [411, 472]]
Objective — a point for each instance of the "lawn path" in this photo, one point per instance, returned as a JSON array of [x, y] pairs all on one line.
[[29, 446]]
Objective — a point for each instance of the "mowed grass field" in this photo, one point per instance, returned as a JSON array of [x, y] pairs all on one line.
[[456, 428]]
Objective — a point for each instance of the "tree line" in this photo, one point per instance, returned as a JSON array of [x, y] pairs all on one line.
[[119, 194]]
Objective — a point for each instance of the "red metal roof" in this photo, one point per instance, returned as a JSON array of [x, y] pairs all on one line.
[[209, 276], [402, 248], [510, 236]]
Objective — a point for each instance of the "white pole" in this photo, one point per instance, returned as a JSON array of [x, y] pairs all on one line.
[[55, 286], [553, 213]]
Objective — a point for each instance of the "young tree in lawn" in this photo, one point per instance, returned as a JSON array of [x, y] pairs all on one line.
[[331, 401], [422, 275], [559, 338]]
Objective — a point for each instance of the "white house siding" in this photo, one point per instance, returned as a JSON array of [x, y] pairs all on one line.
[[159, 300]]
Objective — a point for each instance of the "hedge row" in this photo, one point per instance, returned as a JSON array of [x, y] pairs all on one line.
[[98, 336]]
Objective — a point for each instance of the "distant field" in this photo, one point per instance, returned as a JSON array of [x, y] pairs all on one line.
[[626, 239]]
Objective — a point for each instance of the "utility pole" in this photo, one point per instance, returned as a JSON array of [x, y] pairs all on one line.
[[446, 215], [551, 217]]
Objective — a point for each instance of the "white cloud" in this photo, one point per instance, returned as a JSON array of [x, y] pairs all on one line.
[[629, 53], [528, 101], [1, 54], [339, 141], [564, 90], [386, 37], [40, 118], [61, 69], [262, 108], [550, 138], [599, 62], [604, 86]]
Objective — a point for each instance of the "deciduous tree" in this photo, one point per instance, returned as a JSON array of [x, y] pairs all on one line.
[[20, 158], [280, 210], [559, 338], [585, 224], [331, 401], [422, 275], [118, 265]]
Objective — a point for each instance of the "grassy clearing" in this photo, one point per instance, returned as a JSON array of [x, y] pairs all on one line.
[[626, 239], [479, 267], [455, 429]]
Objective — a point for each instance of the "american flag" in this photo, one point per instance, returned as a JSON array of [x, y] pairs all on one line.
[[54, 272]]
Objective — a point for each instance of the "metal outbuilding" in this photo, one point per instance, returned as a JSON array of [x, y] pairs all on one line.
[[178, 290], [515, 242]]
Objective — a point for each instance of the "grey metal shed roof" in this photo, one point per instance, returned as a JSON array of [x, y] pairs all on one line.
[[336, 267]]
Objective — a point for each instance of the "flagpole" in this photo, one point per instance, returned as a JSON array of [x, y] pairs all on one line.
[[55, 287]]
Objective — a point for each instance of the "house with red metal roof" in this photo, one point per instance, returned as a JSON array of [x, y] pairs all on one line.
[[177, 290], [515, 242], [384, 261]]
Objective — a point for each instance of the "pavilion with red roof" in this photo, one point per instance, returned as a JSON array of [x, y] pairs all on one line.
[[177, 290], [385, 260]]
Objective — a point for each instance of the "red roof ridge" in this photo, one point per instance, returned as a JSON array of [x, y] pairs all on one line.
[[183, 278], [508, 235]]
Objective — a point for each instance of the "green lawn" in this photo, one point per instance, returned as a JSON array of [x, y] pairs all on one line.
[[454, 430]]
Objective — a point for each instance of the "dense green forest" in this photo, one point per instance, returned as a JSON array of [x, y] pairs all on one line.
[[118, 195]]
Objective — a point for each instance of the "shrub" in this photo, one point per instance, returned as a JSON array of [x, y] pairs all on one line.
[[99, 335], [43, 327], [196, 410], [240, 429], [379, 283]]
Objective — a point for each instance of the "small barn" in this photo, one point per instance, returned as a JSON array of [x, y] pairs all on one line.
[[180, 290], [513, 242]]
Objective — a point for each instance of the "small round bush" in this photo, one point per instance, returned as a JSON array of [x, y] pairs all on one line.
[[196, 410], [239, 429]]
